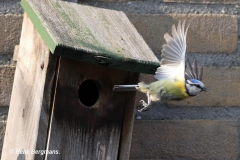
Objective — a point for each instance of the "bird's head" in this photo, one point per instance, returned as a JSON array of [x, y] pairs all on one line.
[[194, 87]]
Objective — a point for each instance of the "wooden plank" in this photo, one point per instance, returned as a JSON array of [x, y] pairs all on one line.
[[81, 132], [31, 97], [90, 34], [128, 121]]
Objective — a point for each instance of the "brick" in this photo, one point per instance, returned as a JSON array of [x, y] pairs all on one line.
[[207, 33], [6, 82], [223, 88], [185, 139], [205, 1], [10, 31], [2, 133]]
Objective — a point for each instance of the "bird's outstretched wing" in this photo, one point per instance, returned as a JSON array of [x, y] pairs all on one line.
[[173, 54], [192, 71]]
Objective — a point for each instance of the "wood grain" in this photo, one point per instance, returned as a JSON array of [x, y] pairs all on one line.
[[31, 97], [128, 121], [89, 34], [81, 132]]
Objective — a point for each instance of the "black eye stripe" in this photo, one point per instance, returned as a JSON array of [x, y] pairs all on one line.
[[198, 86]]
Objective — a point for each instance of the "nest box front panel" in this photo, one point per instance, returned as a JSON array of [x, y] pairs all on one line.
[[87, 114]]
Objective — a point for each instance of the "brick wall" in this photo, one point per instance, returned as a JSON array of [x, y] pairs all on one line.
[[203, 127]]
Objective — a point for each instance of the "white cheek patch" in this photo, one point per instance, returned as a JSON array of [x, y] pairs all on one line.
[[189, 82]]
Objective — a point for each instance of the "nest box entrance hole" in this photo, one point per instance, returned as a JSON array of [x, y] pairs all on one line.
[[88, 92]]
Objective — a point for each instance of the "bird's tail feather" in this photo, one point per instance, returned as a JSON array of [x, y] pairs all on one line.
[[119, 88]]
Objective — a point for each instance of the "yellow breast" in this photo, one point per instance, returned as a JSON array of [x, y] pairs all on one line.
[[168, 89], [177, 88]]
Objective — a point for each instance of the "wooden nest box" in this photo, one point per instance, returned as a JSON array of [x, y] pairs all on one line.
[[69, 58]]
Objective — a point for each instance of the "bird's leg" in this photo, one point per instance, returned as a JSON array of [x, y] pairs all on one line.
[[146, 106]]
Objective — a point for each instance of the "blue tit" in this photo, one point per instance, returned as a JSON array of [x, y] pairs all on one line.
[[176, 79]]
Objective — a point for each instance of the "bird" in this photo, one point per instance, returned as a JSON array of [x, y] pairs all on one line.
[[177, 78]]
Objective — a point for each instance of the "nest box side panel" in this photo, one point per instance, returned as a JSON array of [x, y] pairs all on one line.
[[88, 116], [31, 97], [129, 113]]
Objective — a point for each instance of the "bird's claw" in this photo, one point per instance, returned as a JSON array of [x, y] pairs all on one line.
[[145, 106]]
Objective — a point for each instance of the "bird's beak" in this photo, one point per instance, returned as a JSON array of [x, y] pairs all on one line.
[[204, 89]]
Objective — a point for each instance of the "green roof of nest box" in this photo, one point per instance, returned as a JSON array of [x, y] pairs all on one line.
[[89, 34]]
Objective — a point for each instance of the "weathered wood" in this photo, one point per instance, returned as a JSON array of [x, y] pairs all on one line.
[[81, 132], [129, 112], [90, 34], [45, 109], [31, 97], [102, 131]]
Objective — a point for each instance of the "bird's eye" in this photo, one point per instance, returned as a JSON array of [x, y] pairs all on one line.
[[198, 86]]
